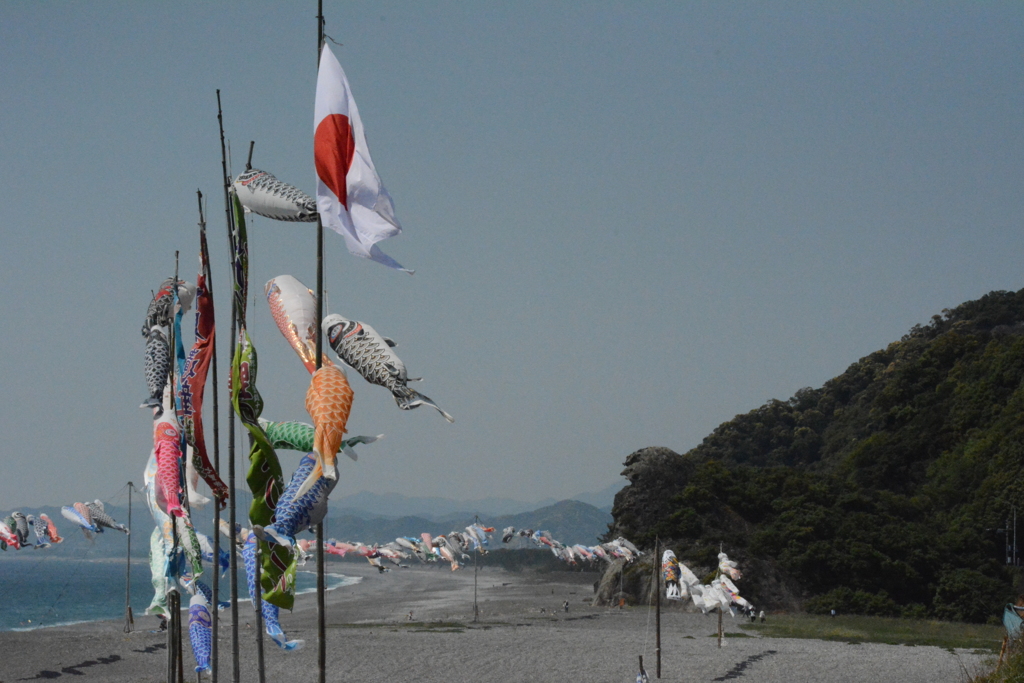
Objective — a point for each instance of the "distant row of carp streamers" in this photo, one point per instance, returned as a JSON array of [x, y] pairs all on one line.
[[91, 518], [452, 547], [14, 531], [720, 594], [620, 548]]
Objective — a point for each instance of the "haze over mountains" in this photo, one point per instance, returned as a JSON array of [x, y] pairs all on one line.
[[364, 517]]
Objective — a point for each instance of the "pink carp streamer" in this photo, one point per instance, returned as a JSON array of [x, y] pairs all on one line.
[[167, 445]]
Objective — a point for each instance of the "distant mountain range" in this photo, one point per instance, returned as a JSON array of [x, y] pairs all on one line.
[[394, 505]]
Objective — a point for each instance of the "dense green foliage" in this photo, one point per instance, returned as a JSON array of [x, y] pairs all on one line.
[[879, 493]]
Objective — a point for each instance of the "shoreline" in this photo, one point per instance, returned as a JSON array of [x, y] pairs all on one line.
[[522, 634]]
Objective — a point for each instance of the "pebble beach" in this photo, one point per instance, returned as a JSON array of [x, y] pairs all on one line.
[[418, 624]]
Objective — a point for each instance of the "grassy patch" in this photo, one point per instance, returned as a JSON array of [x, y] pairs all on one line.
[[1009, 671], [863, 629]]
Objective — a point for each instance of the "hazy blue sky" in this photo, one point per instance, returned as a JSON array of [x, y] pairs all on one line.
[[629, 222]]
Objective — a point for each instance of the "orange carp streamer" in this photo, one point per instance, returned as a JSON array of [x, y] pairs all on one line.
[[328, 402], [52, 528]]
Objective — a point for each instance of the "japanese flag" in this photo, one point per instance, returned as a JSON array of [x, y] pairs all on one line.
[[349, 195]]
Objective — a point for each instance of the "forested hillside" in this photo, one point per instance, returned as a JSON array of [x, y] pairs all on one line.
[[885, 491]]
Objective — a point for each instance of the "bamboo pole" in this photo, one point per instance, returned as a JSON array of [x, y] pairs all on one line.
[[177, 628], [258, 604], [181, 470], [235, 673], [172, 658], [214, 612], [258, 597]]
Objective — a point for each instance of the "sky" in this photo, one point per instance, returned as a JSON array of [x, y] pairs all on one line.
[[629, 222]]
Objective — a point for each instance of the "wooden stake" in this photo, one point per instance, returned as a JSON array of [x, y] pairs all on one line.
[[719, 626]]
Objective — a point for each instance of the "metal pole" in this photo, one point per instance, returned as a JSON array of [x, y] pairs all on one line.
[[657, 611], [129, 619], [476, 554], [720, 545], [235, 673], [321, 584], [476, 569]]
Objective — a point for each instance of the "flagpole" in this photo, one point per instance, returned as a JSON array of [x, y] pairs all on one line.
[[214, 612], [235, 673], [321, 615]]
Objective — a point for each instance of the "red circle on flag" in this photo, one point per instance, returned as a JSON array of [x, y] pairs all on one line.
[[333, 149]]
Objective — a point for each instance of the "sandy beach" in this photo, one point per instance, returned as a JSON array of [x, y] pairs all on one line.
[[522, 634]]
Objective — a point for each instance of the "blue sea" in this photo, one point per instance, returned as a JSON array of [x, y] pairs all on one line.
[[42, 590]]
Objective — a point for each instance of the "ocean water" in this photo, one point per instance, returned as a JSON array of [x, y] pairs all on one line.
[[52, 591]]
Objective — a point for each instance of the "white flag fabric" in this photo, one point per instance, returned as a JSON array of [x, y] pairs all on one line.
[[349, 195]]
